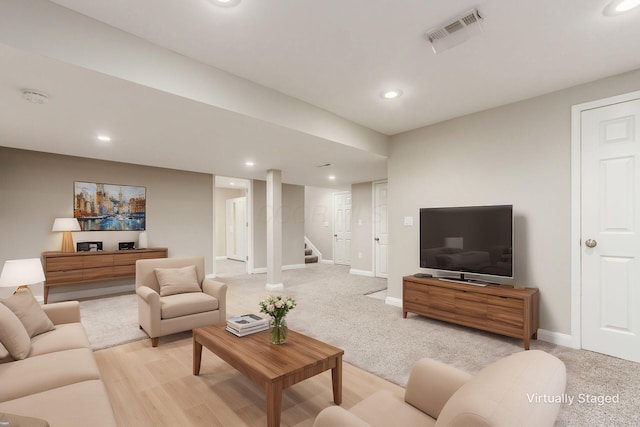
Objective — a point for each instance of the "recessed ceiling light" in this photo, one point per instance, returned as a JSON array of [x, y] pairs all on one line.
[[617, 7], [232, 183], [225, 3], [332, 177], [391, 94], [104, 138], [35, 96], [249, 163]]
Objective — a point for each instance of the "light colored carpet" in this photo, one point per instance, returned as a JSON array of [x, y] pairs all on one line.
[[333, 307]]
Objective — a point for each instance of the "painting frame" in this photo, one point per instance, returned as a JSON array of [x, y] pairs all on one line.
[[109, 207]]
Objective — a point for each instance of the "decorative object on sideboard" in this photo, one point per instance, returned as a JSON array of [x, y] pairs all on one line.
[[126, 246], [66, 225], [21, 273], [142, 240], [108, 207], [89, 246]]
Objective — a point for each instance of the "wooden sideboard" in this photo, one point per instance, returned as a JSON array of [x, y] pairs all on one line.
[[72, 268], [493, 308]]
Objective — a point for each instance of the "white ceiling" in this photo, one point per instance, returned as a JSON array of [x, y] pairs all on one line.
[[333, 54]]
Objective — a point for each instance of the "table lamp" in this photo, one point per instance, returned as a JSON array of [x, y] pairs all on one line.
[[66, 225], [21, 273]]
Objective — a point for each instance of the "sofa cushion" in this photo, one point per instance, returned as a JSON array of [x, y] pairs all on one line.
[[177, 280], [5, 356], [80, 404], [184, 304], [46, 372], [384, 409], [64, 337], [13, 335], [24, 305]]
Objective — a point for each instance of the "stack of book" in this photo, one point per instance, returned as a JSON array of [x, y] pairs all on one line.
[[247, 324]]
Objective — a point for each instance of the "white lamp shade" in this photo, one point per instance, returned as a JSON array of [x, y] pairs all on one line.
[[17, 272], [66, 224]]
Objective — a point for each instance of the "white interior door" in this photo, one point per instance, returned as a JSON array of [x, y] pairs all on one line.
[[237, 228], [610, 249], [381, 232], [342, 228]]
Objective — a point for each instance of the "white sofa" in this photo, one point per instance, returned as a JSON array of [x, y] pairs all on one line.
[[507, 393], [59, 381]]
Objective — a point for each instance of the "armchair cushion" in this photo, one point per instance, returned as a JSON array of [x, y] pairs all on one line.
[[26, 308], [185, 304], [174, 281], [13, 335]]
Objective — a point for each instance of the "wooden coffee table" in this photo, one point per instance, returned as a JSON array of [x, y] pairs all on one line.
[[273, 367]]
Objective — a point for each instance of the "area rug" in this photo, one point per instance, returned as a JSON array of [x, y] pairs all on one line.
[[111, 321]]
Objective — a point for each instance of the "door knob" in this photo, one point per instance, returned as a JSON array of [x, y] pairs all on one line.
[[591, 243], [377, 239]]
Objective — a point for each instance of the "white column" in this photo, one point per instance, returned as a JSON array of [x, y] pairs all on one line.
[[274, 230], [213, 229]]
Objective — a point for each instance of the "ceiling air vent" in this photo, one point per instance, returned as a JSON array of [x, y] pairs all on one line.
[[455, 31]]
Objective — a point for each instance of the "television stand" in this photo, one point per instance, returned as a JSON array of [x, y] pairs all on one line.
[[492, 308]]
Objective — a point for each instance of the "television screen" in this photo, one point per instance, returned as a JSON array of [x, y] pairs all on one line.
[[471, 239]]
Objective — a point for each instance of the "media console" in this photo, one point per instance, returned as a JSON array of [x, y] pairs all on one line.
[[72, 268], [492, 308]]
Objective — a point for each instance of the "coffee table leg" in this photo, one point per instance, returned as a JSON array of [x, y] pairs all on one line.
[[197, 355], [336, 379], [274, 403]]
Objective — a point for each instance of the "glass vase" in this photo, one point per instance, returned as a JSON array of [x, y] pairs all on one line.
[[278, 330]]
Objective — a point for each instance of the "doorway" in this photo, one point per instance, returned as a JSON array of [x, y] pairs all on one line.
[[236, 228], [342, 228], [380, 229], [606, 216]]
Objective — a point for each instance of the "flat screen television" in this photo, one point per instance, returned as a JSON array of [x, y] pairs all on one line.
[[470, 239]]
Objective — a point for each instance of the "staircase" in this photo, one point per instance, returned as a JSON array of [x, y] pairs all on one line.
[[309, 257]]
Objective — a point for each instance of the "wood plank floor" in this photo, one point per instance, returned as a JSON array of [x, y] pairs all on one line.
[[155, 387]]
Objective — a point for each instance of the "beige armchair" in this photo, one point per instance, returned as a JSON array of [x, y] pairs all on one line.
[[161, 312], [509, 392]]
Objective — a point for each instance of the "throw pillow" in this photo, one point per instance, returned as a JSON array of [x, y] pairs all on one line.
[[177, 280], [13, 335], [26, 308]]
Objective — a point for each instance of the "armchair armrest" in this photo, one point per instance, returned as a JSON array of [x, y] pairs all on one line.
[[63, 312], [337, 416], [431, 384], [149, 296], [218, 290]]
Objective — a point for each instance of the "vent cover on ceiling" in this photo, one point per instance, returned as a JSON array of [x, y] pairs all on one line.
[[455, 31]]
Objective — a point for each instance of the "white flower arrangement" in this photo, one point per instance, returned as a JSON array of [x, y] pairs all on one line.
[[277, 306]]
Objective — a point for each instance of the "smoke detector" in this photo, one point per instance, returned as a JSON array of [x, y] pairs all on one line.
[[456, 31], [35, 96]]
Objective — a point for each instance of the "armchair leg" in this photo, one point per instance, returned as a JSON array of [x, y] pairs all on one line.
[[154, 342]]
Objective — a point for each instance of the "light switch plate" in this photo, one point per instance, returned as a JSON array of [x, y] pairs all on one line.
[[408, 221]]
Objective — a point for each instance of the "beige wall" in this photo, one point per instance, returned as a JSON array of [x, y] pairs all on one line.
[[361, 227], [292, 224], [318, 224], [520, 154], [37, 187], [221, 196]]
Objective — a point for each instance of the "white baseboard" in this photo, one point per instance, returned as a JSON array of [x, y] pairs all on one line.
[[221, 258], [396, 302], [556, 338], [90, 293], [361, 272], [326, 261], [262, 270]]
